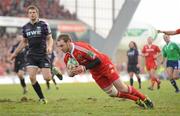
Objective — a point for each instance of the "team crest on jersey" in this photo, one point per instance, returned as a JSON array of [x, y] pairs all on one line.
[[79, 56], [46, 64], [38, 28], [91, 54]]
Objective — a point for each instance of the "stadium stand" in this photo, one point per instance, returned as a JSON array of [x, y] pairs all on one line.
[[49, 9]]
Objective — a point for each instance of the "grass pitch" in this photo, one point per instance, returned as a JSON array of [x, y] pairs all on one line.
[[85, 99]]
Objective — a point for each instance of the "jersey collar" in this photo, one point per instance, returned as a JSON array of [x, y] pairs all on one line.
[[72, 50], [34, 22]]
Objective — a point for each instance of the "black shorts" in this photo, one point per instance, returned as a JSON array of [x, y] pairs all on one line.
[[19, 65], [37, 61], [133, 68], [173, 64]]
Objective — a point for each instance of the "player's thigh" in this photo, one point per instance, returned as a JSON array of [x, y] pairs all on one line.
[[131, 74], [32, 71], [169, 71], [20, 74], [130, 71], [46, 72], [102, 81], [175, 73], [44, 62]]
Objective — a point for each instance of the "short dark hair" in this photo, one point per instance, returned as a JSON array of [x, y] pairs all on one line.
[[33, 7], [65, 37]]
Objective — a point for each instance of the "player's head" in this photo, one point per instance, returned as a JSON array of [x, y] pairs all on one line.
[[166, 38], [149, 40], [132, 44], [33, 12], [64, 42]]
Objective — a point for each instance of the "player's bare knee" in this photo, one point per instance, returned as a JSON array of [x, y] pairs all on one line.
[[47, 79], [111, 92], [20, 76], [32, 79]]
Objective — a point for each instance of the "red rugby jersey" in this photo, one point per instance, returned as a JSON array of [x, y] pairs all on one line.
[[152, 51], [84, 54]]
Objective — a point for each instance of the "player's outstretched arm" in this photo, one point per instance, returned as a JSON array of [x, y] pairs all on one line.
[[49, 43], [21, 45], [167, 32]]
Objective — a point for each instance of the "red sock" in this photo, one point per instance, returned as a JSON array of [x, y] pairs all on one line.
[[135, 92], [127, 96], [157, 80], [153, 80]]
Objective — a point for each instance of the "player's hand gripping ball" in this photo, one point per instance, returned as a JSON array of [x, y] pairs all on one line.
[[71, 65]]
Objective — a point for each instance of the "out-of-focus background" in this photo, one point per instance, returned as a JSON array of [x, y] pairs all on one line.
[[109, 25]]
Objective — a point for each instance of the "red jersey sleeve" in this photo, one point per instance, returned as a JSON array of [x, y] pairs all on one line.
[[86, 51], [158, 49], [178, 31]]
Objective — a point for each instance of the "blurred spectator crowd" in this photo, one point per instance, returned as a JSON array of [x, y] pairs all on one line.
[[49, 9]]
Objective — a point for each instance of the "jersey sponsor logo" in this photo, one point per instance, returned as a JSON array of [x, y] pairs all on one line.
[[150, 50], [35, 32], [131, 53], [32, 33]]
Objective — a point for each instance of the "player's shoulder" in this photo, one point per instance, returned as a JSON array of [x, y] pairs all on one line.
[[43, 22], [81, 44], [173, 43], [155, 46], [128, 50], [26, 25], [145, 46]]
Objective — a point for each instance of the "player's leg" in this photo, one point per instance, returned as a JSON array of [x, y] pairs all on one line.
[[176, 72], [54, 81], [48, 85], [136, 71], [108, 87], [155, 77], [138, 79], [46, 72], [32, 71], [173, 82], [130, 72], [57, 72], [131, 78], [123, 88], [171, 66], [152, 81], [20, 74]]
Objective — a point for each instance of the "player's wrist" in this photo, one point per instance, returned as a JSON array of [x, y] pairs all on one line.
[[83, 68]]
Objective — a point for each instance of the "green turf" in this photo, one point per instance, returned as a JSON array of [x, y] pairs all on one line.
[[85, 99]]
